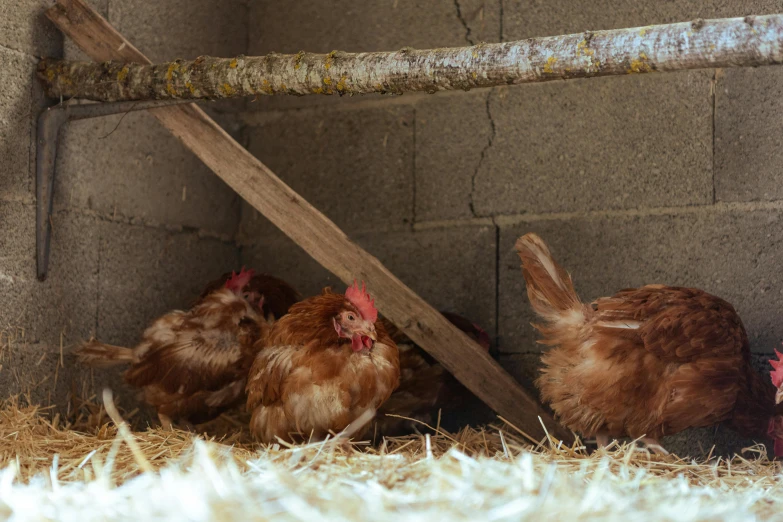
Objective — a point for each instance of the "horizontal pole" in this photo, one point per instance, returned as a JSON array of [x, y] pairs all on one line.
[[728, 42]]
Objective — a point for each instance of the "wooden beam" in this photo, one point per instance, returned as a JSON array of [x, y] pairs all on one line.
[[316, 234], [727, 42]]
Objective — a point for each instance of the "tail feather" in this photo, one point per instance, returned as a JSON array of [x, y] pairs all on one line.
[[549, 287], [100, 355]]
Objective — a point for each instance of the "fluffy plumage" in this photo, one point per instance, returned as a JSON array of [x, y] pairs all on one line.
[[278, 295], [427, 390], [191, 365], [323, 365], [650, 361]]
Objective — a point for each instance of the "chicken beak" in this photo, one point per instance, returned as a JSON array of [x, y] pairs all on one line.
[[369, 336], [779, 396]]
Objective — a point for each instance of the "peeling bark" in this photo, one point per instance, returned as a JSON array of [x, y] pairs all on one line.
[[730, 42]]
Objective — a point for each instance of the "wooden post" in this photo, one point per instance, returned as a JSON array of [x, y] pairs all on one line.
[[316, 234], [727, 42]]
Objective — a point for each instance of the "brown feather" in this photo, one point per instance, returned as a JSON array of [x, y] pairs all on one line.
[[650, 361], [279, 296], [191, 365], [101, 355], [307, 381]]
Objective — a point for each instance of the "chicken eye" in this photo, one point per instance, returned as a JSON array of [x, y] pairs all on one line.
[[351, 317]]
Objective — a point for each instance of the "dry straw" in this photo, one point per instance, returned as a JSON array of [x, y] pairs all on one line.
[[85, 470]]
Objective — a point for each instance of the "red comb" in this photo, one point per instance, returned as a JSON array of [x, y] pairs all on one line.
[[777, 373], [361, 300], [238, 281]]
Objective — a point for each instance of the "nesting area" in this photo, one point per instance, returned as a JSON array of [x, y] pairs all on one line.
[[375, 355], [84, 469]]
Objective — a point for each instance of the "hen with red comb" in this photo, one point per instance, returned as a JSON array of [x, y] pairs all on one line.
[[271, 295], [325, 363], [192, 365], [237, 282]]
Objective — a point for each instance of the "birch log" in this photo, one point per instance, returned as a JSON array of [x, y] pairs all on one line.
[[317, 235], [729, 42]]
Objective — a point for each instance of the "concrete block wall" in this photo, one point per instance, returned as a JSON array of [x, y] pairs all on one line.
[[658, 178], [139, 223], [642, 179]]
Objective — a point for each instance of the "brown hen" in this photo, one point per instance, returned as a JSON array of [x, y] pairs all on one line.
[[644, 363], [278, 295], [427, 392], [192, 365], [325, 363]]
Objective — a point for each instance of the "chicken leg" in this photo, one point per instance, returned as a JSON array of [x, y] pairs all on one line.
[[654, 446], [602, 440]]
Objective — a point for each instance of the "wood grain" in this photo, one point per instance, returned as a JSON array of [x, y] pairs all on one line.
[[317, 235]]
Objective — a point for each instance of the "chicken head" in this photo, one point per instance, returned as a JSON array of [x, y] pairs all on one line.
[[357, 323], [238, 283]]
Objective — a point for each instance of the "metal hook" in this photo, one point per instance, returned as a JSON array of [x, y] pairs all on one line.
[[50, 121]]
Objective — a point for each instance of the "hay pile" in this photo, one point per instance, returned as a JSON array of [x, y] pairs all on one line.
[[85, 470]]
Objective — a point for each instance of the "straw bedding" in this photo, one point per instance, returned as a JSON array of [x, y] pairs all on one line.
[[87, 469]]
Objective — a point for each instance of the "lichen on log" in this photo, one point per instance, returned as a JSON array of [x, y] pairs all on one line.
[[729, 42]]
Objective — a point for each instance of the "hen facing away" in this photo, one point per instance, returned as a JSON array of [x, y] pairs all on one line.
[[192, 365], [646, 362], [278, 295], [325, 364], [427, 391]]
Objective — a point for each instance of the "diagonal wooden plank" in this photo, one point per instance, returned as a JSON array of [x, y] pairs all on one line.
[[316, 234]]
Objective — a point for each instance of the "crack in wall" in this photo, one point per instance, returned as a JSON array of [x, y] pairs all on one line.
[[501, 20], [463, 22], [413, 214], [497, 289], [714, 92], [98, 288], [484, 151]]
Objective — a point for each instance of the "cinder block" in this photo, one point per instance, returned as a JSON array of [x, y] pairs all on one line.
[[65, 302], [385, 26], [524, 367], [351, 27], [355, 166], [63, 307], [452, 134], [145, 272], [732, 254], [17, 264], [279, 256], [24, 28], [173, 29], [526, 19], [131, 166], [16, 112], [451, 268], [748, 127], [598, 144]]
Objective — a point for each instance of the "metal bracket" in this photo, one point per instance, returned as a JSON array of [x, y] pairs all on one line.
[[50, 121]]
